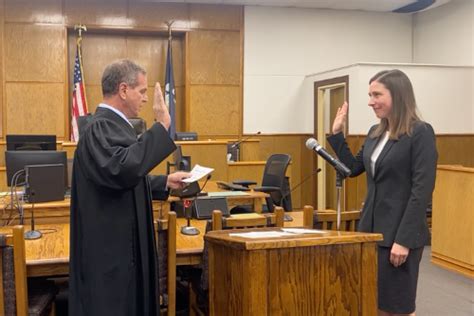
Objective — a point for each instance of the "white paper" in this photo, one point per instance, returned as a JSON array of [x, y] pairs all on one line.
[[303, 231], [197, 173], [264, 234]]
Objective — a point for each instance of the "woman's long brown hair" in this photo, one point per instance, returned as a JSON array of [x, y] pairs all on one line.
[[404, 110]]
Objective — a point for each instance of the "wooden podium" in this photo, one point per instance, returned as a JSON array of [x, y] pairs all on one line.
[[325, 273]]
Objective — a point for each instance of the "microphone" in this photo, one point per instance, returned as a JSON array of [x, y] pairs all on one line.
[[233, 150], [288, 218], [244, 139], [313, 144]]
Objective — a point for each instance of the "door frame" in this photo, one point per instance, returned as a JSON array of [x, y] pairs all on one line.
[[319, 86]]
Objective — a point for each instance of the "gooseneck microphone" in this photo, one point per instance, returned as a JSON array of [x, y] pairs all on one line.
[[244, 139], [313, 144]]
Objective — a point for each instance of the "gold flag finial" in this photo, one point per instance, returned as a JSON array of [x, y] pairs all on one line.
[[169, 24], [80, 28]]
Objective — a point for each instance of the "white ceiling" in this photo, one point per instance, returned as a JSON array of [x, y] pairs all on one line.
[[364, 5]]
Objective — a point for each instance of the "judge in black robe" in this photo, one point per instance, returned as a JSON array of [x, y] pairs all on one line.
[[112, 252]]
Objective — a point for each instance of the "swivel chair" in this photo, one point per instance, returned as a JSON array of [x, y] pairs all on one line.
[[275, 183]]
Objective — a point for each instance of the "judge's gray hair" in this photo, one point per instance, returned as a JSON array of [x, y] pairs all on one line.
[[120, 71]]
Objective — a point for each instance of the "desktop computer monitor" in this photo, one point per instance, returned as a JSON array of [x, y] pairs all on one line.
[[31, 142], [18, 160]]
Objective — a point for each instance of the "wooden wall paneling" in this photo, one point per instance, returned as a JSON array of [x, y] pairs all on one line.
[[216, 17], [98, 50], [34, 11], [187, 84], [67, 104], [214, 57], [3, 147], [455, 149], [178, 59], [355, 188], [96, 13], [154, 15], [93, 95], [250, 149], [242, 38], [246, 170], [35, 108], [2, 68], [34, 53], [308, 189], [150, 53], [286, 144], [214, 110], [3, 180]]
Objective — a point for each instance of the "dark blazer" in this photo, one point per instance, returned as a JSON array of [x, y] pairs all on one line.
[[399, 192]]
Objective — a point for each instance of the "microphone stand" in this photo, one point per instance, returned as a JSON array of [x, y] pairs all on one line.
[[188, 229], [288, 218], [236, 146], [188, 209], [339, 181]]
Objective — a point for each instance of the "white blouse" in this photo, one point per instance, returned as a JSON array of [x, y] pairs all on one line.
[[378, 149]]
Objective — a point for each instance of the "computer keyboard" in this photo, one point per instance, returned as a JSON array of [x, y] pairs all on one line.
[[230, 186]]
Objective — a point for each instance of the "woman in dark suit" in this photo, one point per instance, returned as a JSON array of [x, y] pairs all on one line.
[[399, 157]]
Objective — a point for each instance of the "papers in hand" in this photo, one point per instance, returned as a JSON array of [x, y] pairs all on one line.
[[197, 173]]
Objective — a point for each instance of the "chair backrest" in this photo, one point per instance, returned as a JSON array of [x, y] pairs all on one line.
[[139, 125], [274, 176], [13, 285], [82, 122], [166, 246], [327, 220]]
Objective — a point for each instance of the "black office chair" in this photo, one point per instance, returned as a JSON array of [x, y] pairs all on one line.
[[139, 125], [275, 183], [82, 122]]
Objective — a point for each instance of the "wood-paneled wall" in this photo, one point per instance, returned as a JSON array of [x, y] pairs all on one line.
[[38, 41]]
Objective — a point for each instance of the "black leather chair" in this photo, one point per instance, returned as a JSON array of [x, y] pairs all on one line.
[[274, 182], [139, 125], [82, 122]]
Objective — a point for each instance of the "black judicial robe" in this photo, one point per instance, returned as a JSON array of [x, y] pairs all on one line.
[[112, 268]]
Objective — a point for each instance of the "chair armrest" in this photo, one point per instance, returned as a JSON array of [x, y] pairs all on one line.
[[267, 189], [245, 183]]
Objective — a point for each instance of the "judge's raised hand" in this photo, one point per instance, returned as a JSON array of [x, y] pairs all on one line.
[[341, 119], [160, 109], [175, 180]]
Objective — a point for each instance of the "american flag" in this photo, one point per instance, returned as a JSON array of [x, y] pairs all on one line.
[[79, 104]]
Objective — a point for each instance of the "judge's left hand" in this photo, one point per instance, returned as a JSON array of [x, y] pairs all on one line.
[[175, 180], [398, 254]]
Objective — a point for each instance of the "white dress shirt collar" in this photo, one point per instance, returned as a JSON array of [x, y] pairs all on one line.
[[103, 105]]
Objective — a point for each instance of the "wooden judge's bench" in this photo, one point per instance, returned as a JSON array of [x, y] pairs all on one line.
[[323, 273]]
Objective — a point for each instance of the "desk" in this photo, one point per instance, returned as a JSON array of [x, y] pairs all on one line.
[[58, 212], [49, 255]]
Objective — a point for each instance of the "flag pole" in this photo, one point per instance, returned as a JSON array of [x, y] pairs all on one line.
[[170, 97], [79, 97], [169, 24]]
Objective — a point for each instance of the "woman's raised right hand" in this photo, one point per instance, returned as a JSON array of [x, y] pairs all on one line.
[[341, 119]]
